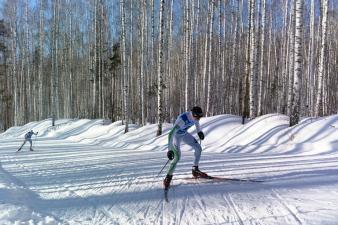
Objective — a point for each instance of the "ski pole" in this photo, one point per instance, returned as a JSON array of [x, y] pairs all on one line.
[[163, 167]]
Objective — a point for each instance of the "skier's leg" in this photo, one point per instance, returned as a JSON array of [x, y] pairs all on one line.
[[191, 141], [22, 145], [30, 141], [177, 154]]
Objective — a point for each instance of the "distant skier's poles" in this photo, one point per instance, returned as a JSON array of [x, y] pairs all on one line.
[[163, 168]]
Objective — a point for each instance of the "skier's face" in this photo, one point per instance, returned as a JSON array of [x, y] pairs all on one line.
[[196, 118]]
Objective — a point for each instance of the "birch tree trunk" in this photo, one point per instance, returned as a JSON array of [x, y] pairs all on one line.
[[152, 60], [26, 62], [169, 65], [294, 117], [245, 82], [197, 93], [282, 96], [210, 32], [124, 66], [220, 60], [16, 93], [262, 77], [41, 103], [142, 63], [291, 61], [319, 102], [268, 69], [131, 61], [186, 52], [311, 57], [253, 74], [55, 63], [205, 58], [160, 71]]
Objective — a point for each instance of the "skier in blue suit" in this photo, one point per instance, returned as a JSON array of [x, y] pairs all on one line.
[[179, 134], [28, 137]]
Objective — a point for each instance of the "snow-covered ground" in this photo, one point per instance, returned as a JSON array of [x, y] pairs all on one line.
[[89, 172]]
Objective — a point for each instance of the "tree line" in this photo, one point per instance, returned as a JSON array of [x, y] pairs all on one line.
[[146, 61]]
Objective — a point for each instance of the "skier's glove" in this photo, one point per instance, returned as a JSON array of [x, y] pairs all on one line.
[[170, 155], [200, 135]]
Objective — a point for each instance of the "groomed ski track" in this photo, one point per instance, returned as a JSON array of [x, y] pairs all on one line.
[[72, 183], [86, 172]]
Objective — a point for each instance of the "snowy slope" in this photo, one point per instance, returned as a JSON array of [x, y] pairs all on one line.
[[90, 172]]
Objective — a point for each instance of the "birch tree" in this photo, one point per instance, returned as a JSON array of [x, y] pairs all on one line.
[[262, 77], [55, 62], [322, 55], [160, 72], [291, 61], [186, 52], [124, 66], [311, 58], [142, 63], [294, 117], [57, 59], [12, 10], [253, 74], [41, 103], [210, 35]]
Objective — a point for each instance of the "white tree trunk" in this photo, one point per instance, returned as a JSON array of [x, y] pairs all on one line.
[[291, 61], [169, 70], [186, 52], [319, 102], [160, 71], [210, 32], [142, 63], [294, 118], [40, 71], [262, 76], [311, 57], [197, 94], [13, 28], [205, 58], [124, 66], [253, 74]]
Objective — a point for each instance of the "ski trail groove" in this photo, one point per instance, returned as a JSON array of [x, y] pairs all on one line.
[[293, 212], [231, 204], [200, 201]]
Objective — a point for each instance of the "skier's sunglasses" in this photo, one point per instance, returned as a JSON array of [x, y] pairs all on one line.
[[198, 116]]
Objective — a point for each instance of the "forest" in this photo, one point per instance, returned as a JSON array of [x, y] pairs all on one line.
[[146, 61]]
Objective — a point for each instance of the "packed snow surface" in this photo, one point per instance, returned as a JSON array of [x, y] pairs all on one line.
[[91, 172]]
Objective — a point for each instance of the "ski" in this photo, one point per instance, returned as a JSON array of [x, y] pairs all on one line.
[[209, 179], [216, 178]]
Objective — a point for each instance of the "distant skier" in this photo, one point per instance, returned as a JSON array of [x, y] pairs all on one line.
[[28, 137], [179, 134]]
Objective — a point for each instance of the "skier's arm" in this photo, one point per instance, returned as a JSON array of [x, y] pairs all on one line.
[[199, 131], [170, 136], [198, 127], [172, 132]]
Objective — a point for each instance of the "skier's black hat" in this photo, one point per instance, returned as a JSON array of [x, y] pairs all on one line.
[[197, 111]]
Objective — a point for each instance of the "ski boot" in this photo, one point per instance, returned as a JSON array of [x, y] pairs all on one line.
[[31, 149], [198, 174], [166, 181]]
